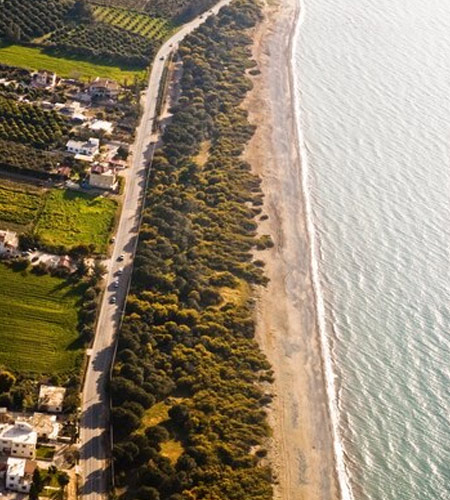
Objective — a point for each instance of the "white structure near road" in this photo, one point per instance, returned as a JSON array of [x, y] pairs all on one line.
[[102, 125], [84, 150], [19, 474], [51, 398], [18, 440]]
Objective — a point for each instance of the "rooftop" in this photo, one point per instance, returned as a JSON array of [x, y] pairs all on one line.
[[20, 467], [20, 432], [104, 82], [51, 395]]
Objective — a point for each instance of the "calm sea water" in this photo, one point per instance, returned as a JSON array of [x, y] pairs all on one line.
[[373, 90]]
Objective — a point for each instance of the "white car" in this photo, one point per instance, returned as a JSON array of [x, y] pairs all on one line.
[[120, 271]]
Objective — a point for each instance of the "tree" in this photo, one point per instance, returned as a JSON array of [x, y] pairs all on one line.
[[7, 380], [63, 480], [37, 485], [81, 12]]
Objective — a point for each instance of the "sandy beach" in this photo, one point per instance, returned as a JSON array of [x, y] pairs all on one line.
[[301, 449]]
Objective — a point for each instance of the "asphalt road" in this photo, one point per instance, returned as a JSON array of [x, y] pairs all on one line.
[[95, 446]]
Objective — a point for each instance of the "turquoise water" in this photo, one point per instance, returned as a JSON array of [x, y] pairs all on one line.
[[373, 90]]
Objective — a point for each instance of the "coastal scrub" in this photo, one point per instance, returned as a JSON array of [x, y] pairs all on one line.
[[187, 342]]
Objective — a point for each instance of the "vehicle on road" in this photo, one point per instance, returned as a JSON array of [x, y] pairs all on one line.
[[121, 257], [120, 271], [112, 300]]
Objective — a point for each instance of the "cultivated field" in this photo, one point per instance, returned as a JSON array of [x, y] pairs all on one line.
[[38, 317], [70, 218], [142, 24], [35, 59], [20, 205]]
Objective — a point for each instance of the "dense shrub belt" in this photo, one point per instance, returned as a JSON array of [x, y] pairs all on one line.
[[187, 344]]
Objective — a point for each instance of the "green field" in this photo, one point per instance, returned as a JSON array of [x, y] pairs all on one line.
[[67, 67], [20, 205], [153, 28], [39, 316], [70, 218]]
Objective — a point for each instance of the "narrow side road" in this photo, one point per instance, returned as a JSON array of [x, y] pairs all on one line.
[[95, 446]]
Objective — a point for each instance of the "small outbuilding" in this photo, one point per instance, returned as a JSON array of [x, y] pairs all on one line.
[[9, 241], [51, 398]]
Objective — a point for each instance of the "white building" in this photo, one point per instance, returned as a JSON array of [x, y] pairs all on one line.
[[102, 125], [18, 440], [45, 425], [103, 177], [51, 398], [19, 474], [84, 150], [44, 79], [9, 241], [102, 87]]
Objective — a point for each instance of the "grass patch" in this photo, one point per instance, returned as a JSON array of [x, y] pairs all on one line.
[[203, 155], [172, 450], [20, 205], [45, 452], [38, 317], [155, 415], [70, 218], [237, 296], [34, 58]]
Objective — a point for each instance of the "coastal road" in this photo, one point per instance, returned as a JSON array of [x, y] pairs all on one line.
[[95, 445]]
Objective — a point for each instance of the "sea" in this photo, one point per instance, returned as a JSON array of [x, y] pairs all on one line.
[[372, 88]]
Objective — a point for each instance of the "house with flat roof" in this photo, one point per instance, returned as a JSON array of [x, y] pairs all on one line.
[[51, 398], [84, 150], [19, 474], [45, 425], [18, 440], [103, 87]]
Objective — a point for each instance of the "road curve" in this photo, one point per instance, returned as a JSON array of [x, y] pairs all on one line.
[[95, 446]]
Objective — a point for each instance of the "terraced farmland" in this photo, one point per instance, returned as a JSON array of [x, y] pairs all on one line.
[[39, 317], [152, 28]]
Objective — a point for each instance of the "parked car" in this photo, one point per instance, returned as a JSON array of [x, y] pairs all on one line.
[[116, 284], [113, 239], [112, 300], [121, 257], [120, 271]]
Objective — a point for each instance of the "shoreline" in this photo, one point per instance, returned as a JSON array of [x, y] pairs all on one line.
[[301, 450]]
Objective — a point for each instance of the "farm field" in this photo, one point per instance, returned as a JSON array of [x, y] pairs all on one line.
[[39, 316], [36, 59], [70, 218], [20, 205], [153, 28]]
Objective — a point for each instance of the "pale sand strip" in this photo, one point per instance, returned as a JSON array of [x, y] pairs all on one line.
[[302, 447]]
